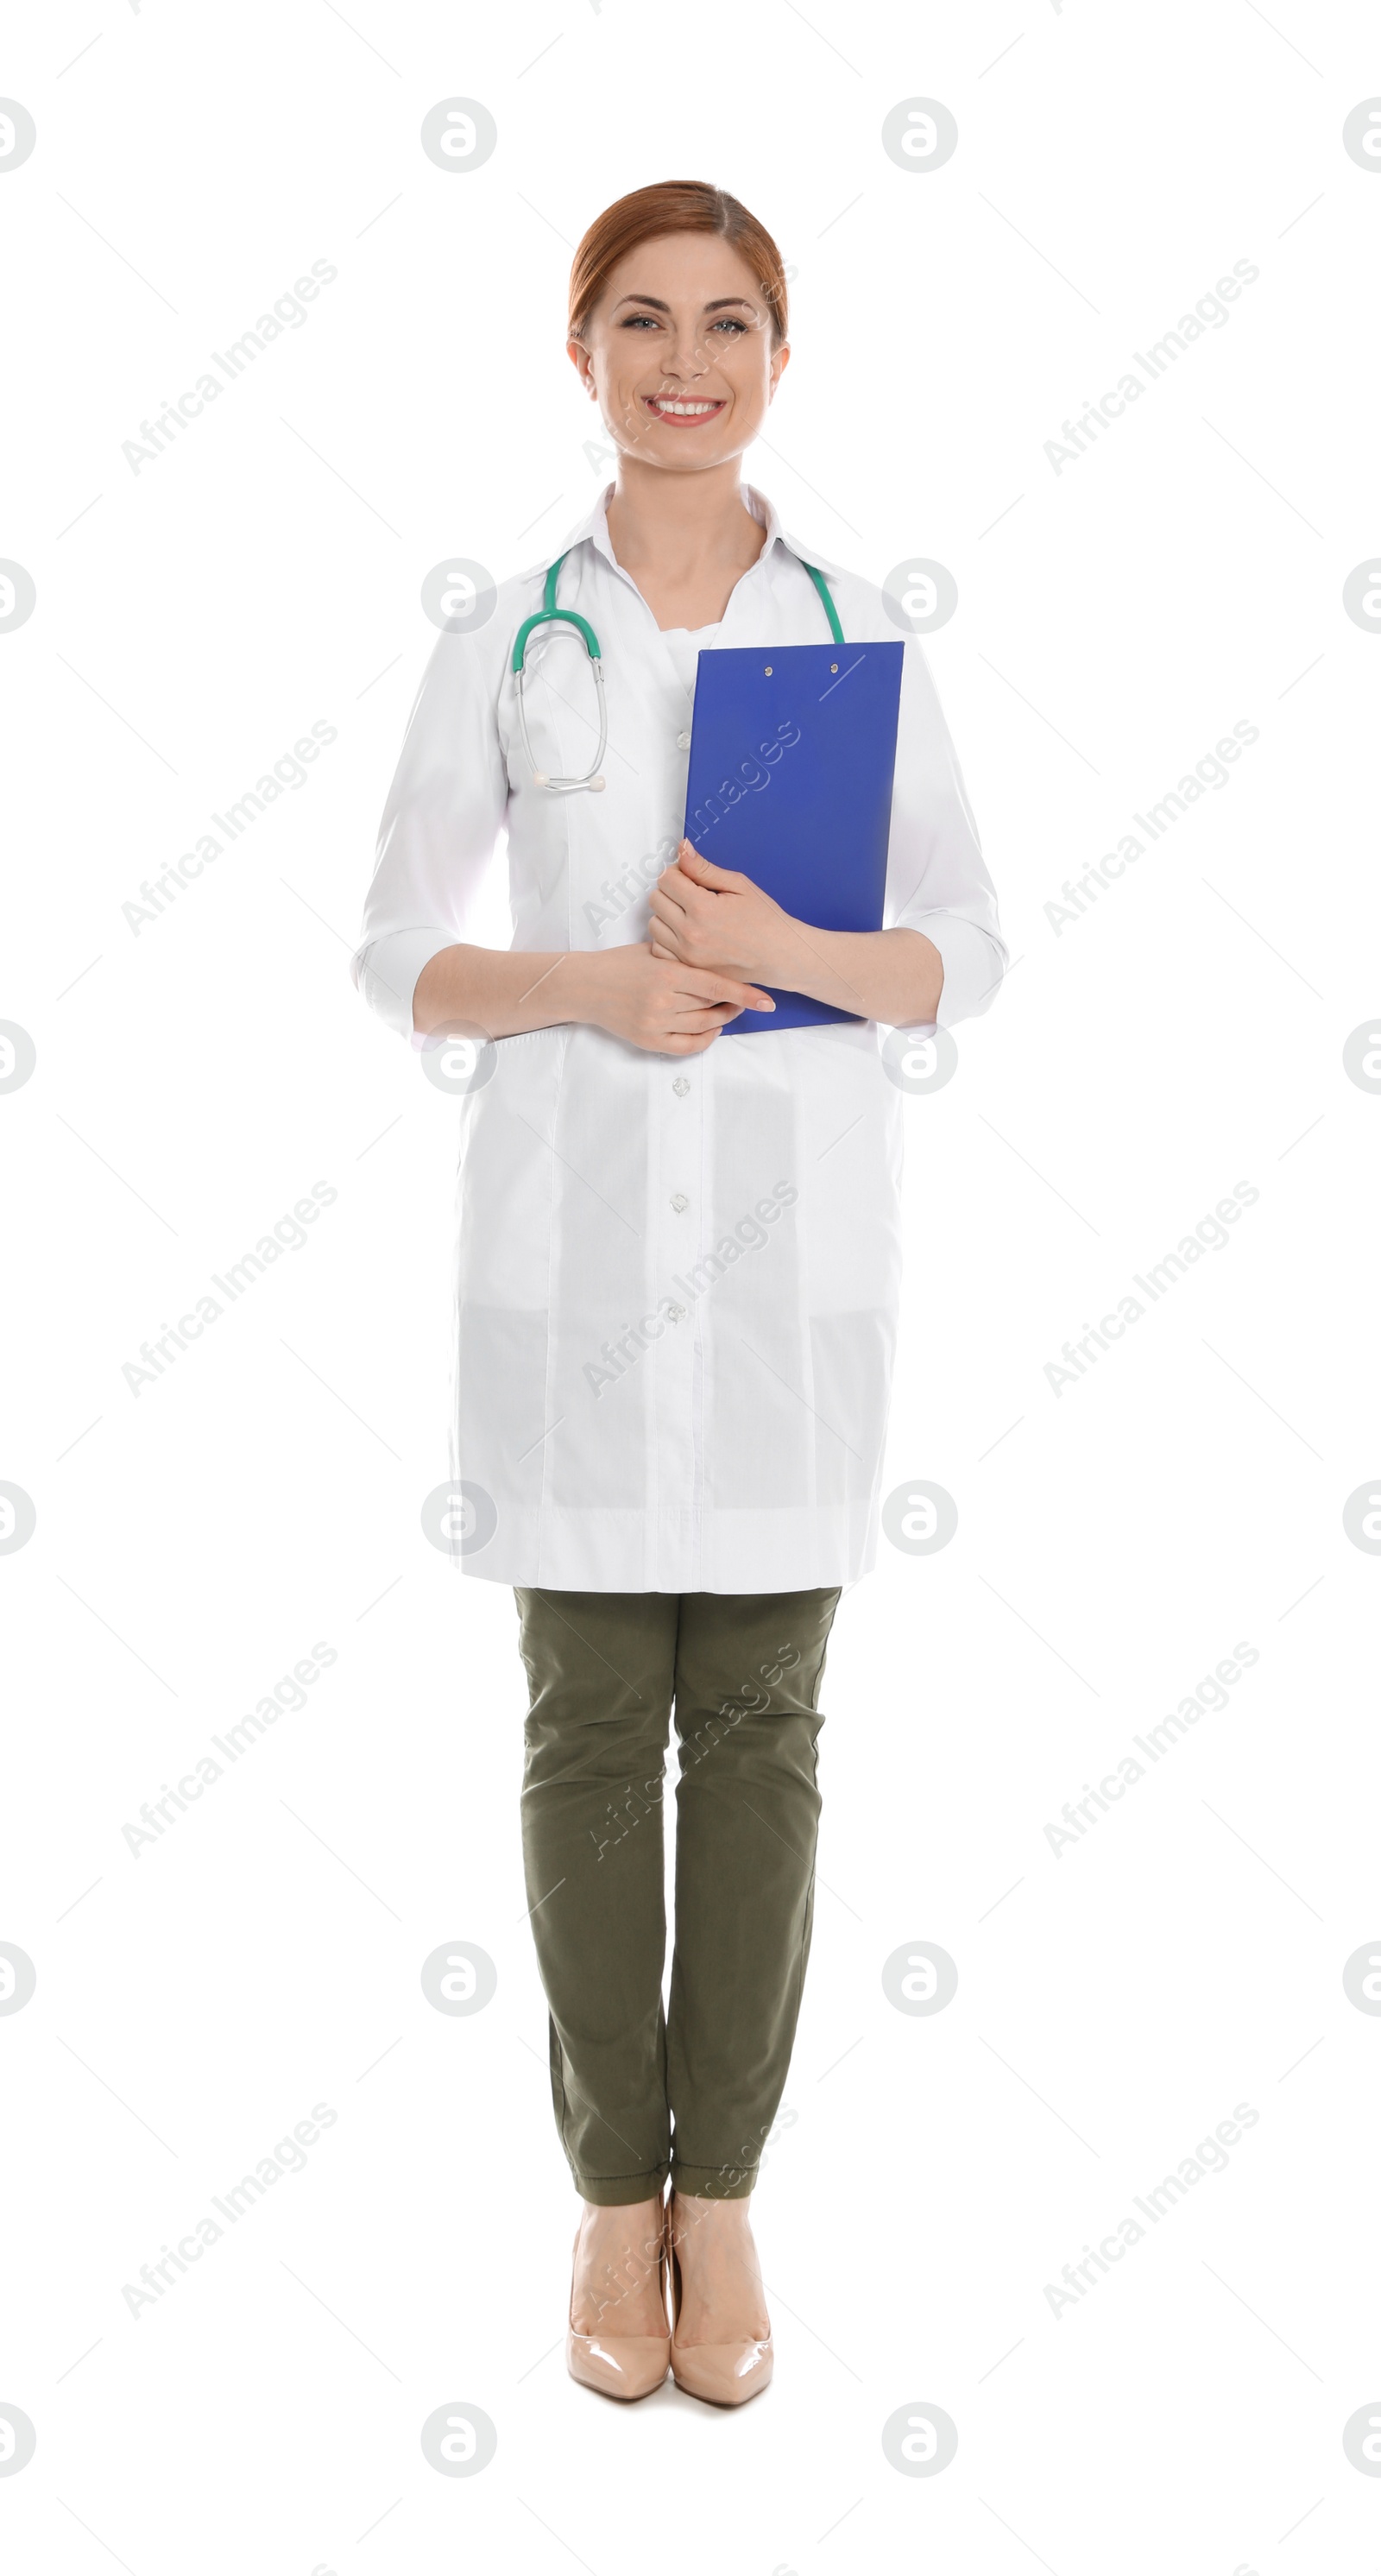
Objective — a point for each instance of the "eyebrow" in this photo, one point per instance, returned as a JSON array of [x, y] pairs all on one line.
[[655, 301]]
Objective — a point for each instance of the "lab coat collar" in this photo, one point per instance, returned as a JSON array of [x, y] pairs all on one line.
[[594, 528]]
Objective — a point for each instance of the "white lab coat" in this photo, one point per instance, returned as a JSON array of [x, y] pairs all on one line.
[[678, 1277]]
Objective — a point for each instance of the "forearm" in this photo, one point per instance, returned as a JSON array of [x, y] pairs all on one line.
[[649, 1002], [894, 976], [716, 917], [504, 991]]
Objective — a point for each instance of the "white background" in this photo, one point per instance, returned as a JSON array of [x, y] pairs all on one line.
[[1115, 1541]]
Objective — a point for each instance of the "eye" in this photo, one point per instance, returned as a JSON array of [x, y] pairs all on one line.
[[730, 322], [631, 321]]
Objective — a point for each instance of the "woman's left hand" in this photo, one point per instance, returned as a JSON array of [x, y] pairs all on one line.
[[714, 917]]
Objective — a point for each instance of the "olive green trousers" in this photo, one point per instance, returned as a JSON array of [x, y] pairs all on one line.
[[640, 2092]]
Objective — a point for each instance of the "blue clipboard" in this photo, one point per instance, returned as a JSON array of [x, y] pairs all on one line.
[[792, 753]]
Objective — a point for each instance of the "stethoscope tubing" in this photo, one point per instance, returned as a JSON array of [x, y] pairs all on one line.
[[549, 614], [540, 777]]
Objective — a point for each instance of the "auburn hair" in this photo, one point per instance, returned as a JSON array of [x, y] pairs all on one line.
[[673, 206]]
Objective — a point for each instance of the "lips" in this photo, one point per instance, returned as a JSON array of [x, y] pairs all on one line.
[[683, 411]]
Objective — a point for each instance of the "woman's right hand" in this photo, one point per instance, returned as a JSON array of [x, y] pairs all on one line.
[[654, 1002]]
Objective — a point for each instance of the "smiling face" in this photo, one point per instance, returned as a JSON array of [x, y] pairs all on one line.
[[679, 355]]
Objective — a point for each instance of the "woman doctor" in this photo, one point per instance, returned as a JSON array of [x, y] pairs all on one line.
[[678, 1264]]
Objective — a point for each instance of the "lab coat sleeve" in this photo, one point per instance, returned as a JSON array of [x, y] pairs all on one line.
[[440, 825], [936, 879]]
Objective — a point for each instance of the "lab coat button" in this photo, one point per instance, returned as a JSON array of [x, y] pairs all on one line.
[[680, 1085], [680, 1202], [676, 1313], [683, 742]]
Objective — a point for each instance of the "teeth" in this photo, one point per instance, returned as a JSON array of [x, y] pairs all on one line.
[[690, 410]]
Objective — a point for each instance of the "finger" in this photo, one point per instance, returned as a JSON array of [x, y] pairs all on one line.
[[672, 886], [703, 871], [729, 1010], [685, 1046], [745, 997], [712, 1016], [663, 909], [688, 1006]]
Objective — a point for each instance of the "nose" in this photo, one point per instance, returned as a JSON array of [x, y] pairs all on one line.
[[684, 357]]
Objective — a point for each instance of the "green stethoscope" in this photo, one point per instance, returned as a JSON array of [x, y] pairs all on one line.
[[568, 617]]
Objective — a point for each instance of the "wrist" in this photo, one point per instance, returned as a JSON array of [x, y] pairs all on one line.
[[785, 955], [582, 982]]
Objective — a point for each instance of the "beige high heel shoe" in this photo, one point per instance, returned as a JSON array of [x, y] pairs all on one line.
[[723, 2374], [625, 2366]]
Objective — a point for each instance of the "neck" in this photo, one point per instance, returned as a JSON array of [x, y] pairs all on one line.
[[672, 522]]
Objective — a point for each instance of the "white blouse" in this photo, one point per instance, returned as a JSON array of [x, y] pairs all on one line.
[[685, 645], [677, 1277]]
